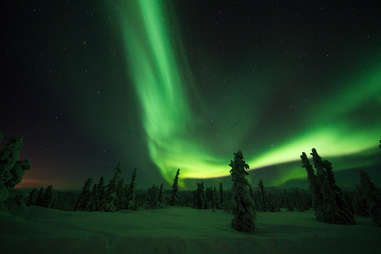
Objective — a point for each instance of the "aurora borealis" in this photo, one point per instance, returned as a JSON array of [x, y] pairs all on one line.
[[169, 122], [161, 85]]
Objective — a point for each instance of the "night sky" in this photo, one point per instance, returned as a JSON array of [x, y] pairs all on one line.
[[161, 85]]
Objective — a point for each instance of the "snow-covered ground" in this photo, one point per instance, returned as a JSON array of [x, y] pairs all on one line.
[[178, 230]]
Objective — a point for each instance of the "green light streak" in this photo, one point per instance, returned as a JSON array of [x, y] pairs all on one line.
[[170, 124]]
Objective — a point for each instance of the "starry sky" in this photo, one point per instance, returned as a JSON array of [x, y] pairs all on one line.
[[161, 85]]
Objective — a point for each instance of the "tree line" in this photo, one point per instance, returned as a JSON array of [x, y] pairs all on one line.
[[329, 203]]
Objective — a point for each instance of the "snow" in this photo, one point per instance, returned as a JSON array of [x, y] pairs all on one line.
[[178, 230]]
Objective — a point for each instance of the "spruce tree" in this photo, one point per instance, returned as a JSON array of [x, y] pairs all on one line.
[[372, 196], [334, 208], [299, 204], [161, 196], [214, 198], [315, 186], [208, 193], [93, 203], [84, 197], [243, 207], [11, 168], [221, 203], [194, 196], [262, 195], [174, 196], [199, 203], [120, 194], [47, 197], [39, 199], [288, 201], [131, 192], [32, 197], [9, 155], [152, 197], [111, 191], [101, 199], [204, 200], [17, 173]]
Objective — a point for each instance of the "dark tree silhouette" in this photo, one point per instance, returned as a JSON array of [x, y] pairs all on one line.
[[161, 196], [121, 196], [11, 168], [317, 198], [131, 200], [203, 198], [93, 203], [47, 197], [17, 173], [243, 207], [175, 195], [208, 194], [221, 201], [100, 196], [262, 204], [372, 197], [152, 197], [199, 196], [32, 197], [288, 201], [111, 189], [214, 198], [39, 199], [333, 208], [84, 198]]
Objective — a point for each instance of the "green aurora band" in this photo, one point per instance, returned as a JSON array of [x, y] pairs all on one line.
[[154, 67]]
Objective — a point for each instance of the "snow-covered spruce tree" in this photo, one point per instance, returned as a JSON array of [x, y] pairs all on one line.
[[243, 207], [84, 197], [110, 192], [372, 197], [334, 208], [315, 186], [131, 194], [11, 168], [175, 195]]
